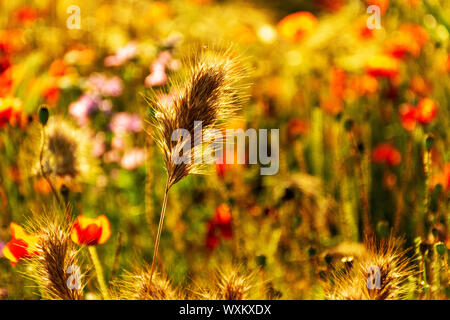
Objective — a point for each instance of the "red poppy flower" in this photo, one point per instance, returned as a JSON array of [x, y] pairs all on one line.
[[382, 65], [22, 245], [331, 5], [420, 86], [297, 127], [212, 240], [408, 117], [219, 226], [382, 4], [296, 26], [222, 219], [51, 95], [221, 169], [426, 110], [386, 153], [57, 68], [409, 39], [365, 33], [90, 232]]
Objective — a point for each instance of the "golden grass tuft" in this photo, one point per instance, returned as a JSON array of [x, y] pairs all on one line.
[[380, 273], [138, 286], [233, 286], [57, 259], [211, 92], [59, 149]]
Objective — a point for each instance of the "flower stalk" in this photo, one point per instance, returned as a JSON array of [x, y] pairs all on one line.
[[158, 236], [99, 271]]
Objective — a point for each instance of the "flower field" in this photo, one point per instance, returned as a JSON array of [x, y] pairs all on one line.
[[341, 190]]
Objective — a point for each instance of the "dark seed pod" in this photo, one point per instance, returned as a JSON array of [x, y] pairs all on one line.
[[429, 141], [43, 115], [440, 248], [348, 124]]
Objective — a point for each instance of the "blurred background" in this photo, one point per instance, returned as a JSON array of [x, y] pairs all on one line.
[[362, 110]]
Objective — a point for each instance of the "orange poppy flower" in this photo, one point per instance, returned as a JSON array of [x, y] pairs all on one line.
[[362, 85], [42, 186], [6, 81], [409, 39], [382, 65], [90, 232], [296, 26], [443, 177], [222, 214], [332, 104], [426, 110], [387, 153], [22, 245], [420, 86]]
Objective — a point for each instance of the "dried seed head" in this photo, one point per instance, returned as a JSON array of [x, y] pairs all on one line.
[[233, 286], [59, 150], [231, 283], [210, 94]]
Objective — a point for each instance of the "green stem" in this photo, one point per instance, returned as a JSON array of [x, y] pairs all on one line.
[[158, 236], [41, 155], [116, 258], [426, 200], [99, 271]]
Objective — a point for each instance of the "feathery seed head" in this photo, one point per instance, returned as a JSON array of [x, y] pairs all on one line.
[[59, 150], [231, 283]]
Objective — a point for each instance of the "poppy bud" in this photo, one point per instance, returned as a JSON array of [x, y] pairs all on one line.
[[348, 124], [261, 260], [440, 248], [429, 141], [43, 115], [90, 232]]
